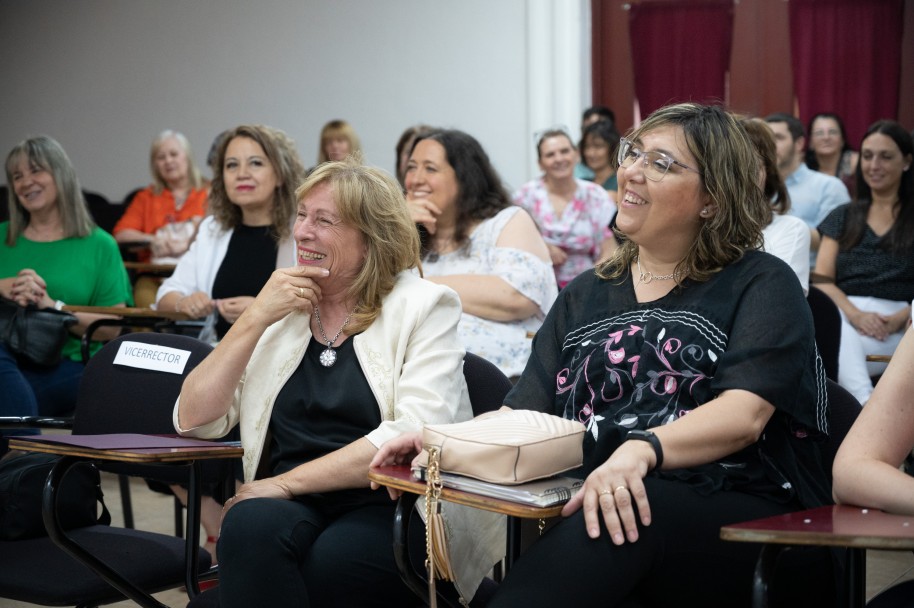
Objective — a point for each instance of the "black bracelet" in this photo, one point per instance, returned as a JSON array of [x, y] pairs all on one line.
[[652, 439]]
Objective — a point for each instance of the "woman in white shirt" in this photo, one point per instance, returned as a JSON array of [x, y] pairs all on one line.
[[477, 243], [785, 236]]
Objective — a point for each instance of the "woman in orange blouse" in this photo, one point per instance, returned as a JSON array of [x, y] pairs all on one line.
[[165, 215]]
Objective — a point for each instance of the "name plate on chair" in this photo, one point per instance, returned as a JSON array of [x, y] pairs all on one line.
[[152, 356]]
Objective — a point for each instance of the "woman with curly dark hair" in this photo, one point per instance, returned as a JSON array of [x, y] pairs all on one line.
[[479, 244]]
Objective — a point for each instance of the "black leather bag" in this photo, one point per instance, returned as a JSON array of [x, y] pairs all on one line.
[[35, 335], [22, 479]]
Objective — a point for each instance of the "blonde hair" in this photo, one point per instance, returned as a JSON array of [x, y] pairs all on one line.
[[370, 201], [280, 151], [728, 165], [334, 129], [193, 173], [45, 152]]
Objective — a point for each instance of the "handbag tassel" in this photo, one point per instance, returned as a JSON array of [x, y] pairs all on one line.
[[437, 562]]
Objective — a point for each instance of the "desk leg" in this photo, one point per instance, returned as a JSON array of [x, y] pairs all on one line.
[[192, 536], [764, 570], [512, 551], [405, 507], [856, 577], [123, 483], [49, 513]]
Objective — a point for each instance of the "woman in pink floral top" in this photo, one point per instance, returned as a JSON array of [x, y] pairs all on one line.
[[573, 215]]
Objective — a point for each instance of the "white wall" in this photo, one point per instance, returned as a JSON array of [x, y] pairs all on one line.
[[104, 76]]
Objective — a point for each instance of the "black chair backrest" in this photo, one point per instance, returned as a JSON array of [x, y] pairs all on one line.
[[105, 213], [843, 409], [130, 196], [827, 321], [115, 398], [4, 204], [486, 384]]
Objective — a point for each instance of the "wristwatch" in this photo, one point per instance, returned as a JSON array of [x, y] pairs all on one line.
[[651, 439]]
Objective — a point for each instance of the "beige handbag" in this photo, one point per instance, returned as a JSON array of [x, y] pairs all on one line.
[[507, 447]]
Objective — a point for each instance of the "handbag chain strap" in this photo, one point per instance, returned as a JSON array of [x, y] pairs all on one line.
[[432, 493]]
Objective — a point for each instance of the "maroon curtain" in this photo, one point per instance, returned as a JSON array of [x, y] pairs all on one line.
[[847, 60], [680, 51]]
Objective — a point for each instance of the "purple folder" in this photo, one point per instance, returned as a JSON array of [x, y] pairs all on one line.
[[128, 441]]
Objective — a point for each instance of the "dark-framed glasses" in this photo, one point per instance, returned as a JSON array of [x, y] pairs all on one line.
[[655, 163]]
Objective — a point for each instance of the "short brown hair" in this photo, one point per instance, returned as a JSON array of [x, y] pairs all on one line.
[[728, 165]]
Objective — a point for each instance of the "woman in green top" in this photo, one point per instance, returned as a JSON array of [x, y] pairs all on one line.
[[52, 253]]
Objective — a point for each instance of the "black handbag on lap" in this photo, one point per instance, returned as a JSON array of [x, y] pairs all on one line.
[[22, 479], [33, 334]]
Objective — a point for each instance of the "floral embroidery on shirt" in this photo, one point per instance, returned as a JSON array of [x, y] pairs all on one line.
[[637, 369]]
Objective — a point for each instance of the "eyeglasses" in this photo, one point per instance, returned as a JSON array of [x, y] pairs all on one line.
[[553, 131], [655, 163]]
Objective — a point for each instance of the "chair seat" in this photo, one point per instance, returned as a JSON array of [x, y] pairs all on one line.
[[66, 582]]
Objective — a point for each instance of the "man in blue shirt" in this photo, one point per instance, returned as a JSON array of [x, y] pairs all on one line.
[[812, 194]]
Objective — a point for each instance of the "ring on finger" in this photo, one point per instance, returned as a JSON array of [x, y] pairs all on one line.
[[617, 488], [301, 292], [603, 492]]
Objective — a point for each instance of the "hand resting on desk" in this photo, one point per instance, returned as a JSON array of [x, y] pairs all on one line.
[[400, 450]]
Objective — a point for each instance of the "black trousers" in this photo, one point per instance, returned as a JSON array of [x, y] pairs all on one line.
[[289, 553], [679, 560]]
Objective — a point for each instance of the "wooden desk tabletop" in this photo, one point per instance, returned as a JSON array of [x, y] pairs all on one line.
[[833, 526], [151, 454], [401, 478], [126, 311], [879, 358], [150, 267]]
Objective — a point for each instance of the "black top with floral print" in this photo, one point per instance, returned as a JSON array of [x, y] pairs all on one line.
[[615, 364]]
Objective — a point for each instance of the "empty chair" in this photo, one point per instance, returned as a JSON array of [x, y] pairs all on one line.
[[114, 398]]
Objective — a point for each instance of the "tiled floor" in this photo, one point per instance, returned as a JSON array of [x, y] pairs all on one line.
[[153, 511], [886, 568]]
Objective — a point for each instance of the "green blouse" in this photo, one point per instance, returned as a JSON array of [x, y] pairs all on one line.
[[79, 271]]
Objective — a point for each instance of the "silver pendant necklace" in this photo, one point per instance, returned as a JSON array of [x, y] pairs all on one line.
[[328, 357], [647, 277]]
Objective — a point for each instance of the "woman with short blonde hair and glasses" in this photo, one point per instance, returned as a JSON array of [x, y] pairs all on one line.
[[338, 354]]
